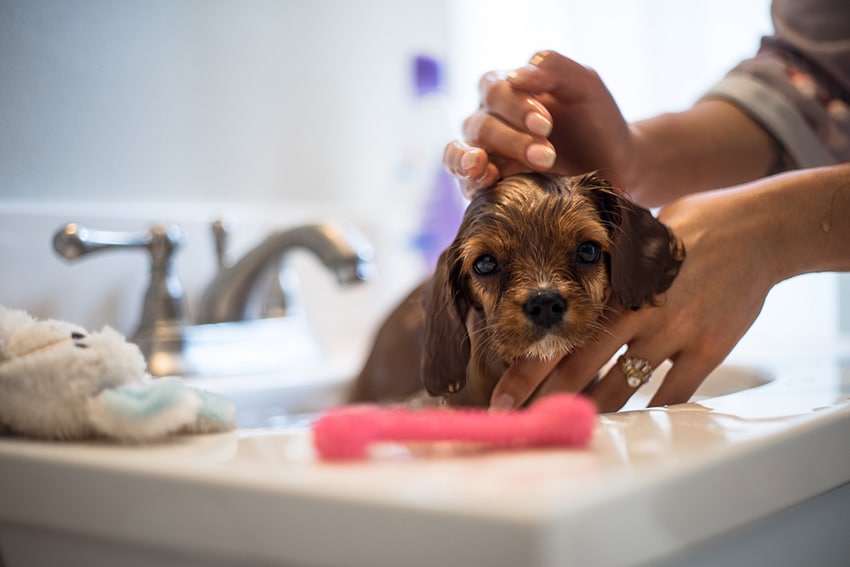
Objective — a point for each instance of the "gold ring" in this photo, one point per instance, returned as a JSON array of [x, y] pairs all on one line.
[[638, 371]]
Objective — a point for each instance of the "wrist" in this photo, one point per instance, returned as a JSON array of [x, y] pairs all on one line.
[[806, 224], [636, 172], [711, 145]]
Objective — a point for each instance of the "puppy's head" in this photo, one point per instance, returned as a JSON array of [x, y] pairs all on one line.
[[530, 273]]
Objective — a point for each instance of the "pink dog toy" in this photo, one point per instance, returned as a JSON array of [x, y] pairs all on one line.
[[562, 420]]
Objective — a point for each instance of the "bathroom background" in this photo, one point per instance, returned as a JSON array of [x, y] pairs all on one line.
[[119, 114]]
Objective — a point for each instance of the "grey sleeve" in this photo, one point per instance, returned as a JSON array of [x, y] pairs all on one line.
[[797, 87], [777, 114]]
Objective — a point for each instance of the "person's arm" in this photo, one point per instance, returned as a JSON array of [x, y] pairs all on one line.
[[806, 220], [712, 144]]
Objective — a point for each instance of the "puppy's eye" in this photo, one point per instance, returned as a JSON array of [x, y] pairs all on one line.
[[589, 252], [485, 265]]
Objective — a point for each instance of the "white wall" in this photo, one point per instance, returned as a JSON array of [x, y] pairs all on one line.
[[654, 55], [164, 100]]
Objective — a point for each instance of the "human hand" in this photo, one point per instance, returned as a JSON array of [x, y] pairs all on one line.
[[696, 324], [552, 115]]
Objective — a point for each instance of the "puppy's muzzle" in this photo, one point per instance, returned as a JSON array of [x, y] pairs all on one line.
[[545, 307]]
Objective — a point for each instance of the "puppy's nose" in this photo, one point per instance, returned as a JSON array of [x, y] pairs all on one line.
[[545, 307]]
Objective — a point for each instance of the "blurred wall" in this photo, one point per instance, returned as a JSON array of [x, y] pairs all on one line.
[[183, 100]]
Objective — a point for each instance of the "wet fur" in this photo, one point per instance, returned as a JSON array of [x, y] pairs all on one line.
[[461, 330]]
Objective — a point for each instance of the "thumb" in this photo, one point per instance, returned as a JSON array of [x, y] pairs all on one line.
[[520, 381]]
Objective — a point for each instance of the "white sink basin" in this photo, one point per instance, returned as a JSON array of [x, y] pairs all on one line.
[[275, 400], [752, 466], [279, 399]]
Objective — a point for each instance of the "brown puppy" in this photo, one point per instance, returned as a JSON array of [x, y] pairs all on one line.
[[534, 267]]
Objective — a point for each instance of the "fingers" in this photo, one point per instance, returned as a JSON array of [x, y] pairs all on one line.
[[614, 389], [688, 371], [512, 143], [471, 166], [514, 130], [683, 379], [577, 371], [507, 134], [538, 76], [551, 72], [515, 107], [519, 382], [513, 126]]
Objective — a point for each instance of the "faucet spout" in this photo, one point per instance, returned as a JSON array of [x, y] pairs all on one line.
[[346, 253]]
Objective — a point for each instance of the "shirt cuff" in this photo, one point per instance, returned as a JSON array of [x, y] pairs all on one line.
[[777, 115]]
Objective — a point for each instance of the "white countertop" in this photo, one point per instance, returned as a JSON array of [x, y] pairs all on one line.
[[652, 484]]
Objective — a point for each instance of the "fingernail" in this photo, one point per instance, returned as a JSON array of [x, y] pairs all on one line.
[[540, 156], [503, 401], [536, 105], [520, 75], [517, 75], [468, 161], [538, 124], [538, 57]]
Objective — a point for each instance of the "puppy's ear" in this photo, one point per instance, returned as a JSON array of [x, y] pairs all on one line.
[[645, 255], [446, 352]]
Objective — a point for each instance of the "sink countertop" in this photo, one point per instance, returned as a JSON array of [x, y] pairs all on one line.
[[655, 482]]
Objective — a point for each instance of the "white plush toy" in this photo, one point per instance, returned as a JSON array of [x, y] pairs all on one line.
[[58, 381]]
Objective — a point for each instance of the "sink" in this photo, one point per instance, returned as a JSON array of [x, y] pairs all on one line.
[[754, 450], [281, 398], [303, 387]]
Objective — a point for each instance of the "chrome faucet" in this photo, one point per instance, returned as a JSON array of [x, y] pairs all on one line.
[[170, 342], [164, 302], [160, 332], [344, 252]]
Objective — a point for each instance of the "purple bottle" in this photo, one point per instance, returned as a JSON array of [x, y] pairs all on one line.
[[444, 205]]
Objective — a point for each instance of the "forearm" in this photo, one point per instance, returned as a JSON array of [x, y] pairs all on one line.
[[711, 145], [805, 220]]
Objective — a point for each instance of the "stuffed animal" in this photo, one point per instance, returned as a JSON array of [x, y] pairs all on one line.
[[58, 381]]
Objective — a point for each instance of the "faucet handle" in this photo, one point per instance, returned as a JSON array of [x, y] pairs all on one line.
[[221, 237], [164, 302]]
